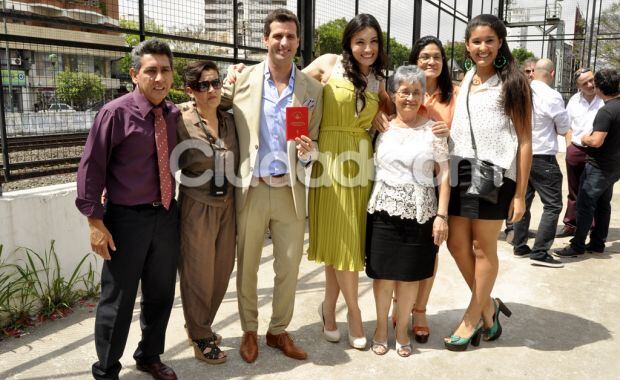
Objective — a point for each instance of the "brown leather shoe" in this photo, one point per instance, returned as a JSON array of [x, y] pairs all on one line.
[[158, 370], [285, 343], [249, 346]]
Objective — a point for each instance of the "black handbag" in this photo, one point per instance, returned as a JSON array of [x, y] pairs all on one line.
[[219, 182], [486, 177]]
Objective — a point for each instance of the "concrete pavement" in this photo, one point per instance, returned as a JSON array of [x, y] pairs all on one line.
[[564, 325]]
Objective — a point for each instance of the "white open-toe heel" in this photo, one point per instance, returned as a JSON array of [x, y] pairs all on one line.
[[330, 336], [404, 350]]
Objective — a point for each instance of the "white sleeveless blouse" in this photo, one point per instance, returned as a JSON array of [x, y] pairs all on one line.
[[496, 138]]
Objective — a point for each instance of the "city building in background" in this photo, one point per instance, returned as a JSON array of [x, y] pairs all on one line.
[[30, 71]]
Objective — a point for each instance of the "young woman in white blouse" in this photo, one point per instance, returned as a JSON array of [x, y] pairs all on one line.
[[494, 111], [406, 223]]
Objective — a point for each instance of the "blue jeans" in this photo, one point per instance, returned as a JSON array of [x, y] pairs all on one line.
[[546, 180], [594, 203]]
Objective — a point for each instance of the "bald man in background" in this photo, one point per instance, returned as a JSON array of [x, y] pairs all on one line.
[[550, 120]]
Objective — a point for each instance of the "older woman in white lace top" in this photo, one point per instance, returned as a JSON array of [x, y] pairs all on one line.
[[406, 222]]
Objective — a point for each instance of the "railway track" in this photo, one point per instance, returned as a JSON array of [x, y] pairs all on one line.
[[22, 143], [23, 163]]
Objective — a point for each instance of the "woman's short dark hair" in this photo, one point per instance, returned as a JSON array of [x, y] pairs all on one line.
[[516, 94], [152, 46], [607, 80], [350, 65], [193, 71], [444, 82], [280, 15]]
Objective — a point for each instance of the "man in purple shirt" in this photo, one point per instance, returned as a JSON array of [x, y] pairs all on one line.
[[135, 232]]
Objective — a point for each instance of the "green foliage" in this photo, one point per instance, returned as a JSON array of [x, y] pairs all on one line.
[[16, 298], [53, 290], [134, 39], [460, 52], [78, 88], [399, 53], [608, 51], [328, 39], [521, 55], [178, 96], [35, 285]]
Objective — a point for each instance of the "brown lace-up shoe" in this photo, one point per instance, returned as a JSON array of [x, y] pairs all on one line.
[[249, 346], [285, 343]]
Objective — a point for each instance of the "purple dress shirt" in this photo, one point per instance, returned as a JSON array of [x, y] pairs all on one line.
[[120, 155]]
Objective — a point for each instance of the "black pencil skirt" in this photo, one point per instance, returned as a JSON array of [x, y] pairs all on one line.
[[399, 249]]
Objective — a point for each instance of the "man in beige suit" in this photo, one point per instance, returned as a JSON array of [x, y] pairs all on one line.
[[272, 191]]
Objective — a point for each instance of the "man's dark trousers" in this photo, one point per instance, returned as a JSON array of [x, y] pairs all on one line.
[[545, 179], [575, 164], [147, 249], [594, 203]]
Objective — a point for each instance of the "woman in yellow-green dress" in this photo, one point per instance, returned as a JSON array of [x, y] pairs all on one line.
[[341, 184]]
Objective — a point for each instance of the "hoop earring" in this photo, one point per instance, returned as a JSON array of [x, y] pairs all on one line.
[[468, 64], [500, 61]]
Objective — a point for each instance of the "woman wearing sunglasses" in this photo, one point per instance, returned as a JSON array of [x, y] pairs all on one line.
[[207, 209]]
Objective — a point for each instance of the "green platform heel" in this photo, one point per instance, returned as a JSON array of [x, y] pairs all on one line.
[[458, 343], [495, 331]]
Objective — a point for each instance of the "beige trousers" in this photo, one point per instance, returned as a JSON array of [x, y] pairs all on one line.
[[206, 261], [271, 207]]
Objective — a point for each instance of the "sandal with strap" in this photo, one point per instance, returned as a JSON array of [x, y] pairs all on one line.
[[404, 350], [208, 351], [379, 348], [420, 333], [218, 337]]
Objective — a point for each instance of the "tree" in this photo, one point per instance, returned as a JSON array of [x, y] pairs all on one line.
[[134, 39], [399, 53], [607, 51], [78, 88], [460, 52], [328, 39], [521, 55]]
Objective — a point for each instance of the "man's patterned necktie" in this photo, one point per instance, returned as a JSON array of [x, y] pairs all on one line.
[[161, 142]]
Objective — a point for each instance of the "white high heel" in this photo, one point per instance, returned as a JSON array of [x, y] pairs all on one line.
[[330, 336], [359, 343]]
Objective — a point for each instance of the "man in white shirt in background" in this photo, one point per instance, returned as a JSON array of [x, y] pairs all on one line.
[[550, 120], [582, 108]]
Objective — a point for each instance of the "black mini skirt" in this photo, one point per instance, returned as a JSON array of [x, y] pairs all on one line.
[[472, 207]]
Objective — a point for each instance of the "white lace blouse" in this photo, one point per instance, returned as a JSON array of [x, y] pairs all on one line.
[[404, 177], [496, 138]]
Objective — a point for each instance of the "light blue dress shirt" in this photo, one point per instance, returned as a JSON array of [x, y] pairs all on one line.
[[272, 155]]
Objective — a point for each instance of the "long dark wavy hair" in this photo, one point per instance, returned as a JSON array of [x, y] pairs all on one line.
[[516, 94], [350, 65], [444, 82]]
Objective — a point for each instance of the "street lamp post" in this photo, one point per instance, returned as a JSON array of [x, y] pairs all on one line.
[[53, 58]]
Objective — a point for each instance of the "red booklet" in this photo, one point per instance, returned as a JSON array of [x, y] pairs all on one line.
[[296, 122]]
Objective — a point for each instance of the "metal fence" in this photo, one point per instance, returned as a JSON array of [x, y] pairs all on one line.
[[61, 60]]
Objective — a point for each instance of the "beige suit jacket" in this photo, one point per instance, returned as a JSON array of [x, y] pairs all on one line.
[[245, 97]]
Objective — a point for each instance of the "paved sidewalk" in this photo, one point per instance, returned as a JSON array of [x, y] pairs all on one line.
[[564, 325]]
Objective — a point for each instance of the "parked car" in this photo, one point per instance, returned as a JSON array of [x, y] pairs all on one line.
[[60, 107]]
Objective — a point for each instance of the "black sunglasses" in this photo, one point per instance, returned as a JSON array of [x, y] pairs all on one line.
[[206, 84]]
